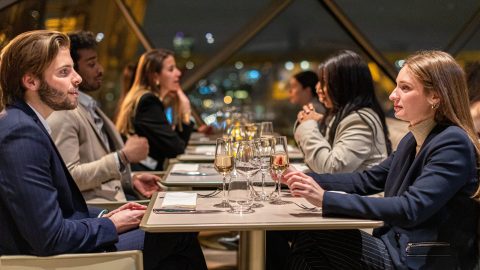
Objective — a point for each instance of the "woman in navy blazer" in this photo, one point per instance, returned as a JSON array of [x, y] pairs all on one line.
[[429, 210]]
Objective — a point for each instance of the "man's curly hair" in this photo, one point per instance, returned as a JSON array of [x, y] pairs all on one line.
[[81, 40]]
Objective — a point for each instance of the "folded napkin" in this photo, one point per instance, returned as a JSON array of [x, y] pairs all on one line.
[[208, 150], [185, 167], [179, 201]]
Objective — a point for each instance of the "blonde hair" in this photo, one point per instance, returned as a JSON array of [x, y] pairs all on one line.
[[149, 63], [30, 52], [440, 73]]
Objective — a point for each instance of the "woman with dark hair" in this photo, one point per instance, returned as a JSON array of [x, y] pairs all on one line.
[[430, 209], [302, 90], [142, 112], [352, 136]]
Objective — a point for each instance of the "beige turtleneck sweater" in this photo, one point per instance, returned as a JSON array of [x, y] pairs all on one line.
[[421, 130]]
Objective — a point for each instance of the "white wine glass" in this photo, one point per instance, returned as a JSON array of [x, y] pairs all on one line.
[[279, 163], [224, 165]]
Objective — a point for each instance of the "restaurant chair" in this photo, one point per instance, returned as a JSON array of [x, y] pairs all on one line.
[[120, 260]]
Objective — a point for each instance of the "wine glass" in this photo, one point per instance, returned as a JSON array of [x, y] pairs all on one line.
[[239, 195], [246, 161], [266, 130], [279, 164], [264, 149], [223, 164]]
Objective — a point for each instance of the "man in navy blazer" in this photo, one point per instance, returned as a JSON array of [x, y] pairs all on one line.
[[42, 212]]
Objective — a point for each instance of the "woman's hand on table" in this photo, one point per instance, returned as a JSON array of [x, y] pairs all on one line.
[[302, 185]]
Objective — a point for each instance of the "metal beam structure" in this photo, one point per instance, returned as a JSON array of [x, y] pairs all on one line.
[[238, 40], [6, 3], [468, 30], [132, 22], [147, 43], [359, 38]]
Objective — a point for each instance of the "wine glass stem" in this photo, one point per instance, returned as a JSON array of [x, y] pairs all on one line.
[[279, 183], [263, 185], [224, 199]]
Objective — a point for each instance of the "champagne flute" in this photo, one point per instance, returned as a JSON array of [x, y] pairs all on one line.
[[279, 163], [223, 164]]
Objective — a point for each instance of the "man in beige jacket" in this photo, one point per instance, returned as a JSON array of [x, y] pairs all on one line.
[[88, 141]]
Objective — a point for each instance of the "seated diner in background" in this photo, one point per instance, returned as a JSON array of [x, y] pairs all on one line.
[[352, 134], [302, 91], [429, 210], [143, 111]]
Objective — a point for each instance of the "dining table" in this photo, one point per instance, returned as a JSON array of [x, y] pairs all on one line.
[[206, 153], [298, 215], [200, 175]]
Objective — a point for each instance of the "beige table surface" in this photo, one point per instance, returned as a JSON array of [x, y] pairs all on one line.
[[197, 138], [252, 226], [192, 155], [211, 179]]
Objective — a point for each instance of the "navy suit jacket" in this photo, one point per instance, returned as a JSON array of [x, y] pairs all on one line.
[[42, 212], [430, 219]]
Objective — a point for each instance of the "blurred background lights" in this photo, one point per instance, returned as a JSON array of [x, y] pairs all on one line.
[[213, 88], [253, 74], [99, 37], [208, 103], [241, 94], [304, 65], [189, 65], [239, 65], [204, 90], [209, 38], [289, 65], [227, 100], [210, 119], [399, 63]]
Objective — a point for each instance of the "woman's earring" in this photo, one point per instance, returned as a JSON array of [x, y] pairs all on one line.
[[435, 106], [157, 83]]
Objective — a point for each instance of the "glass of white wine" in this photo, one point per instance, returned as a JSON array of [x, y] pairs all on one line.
[[223, 164], [279, 163]]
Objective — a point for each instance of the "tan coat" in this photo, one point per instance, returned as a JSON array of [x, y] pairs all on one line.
[[355, 147], [94, 169]]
